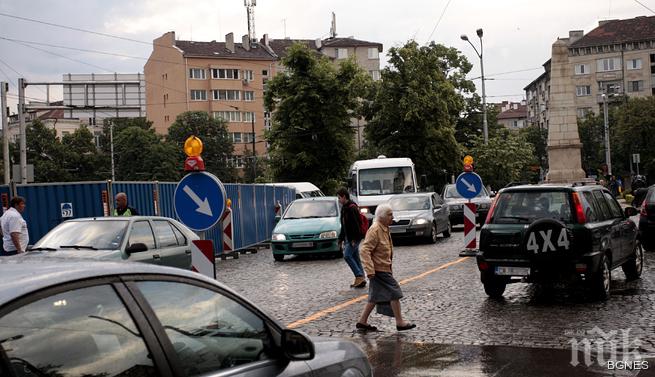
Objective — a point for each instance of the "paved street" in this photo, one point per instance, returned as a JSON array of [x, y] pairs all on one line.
[[444, 296]]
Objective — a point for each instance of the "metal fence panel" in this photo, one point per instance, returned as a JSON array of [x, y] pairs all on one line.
[[232, 192], [43, 210], [166, 204], [261, 209], [248, 220], [270, 211], [140, 195]]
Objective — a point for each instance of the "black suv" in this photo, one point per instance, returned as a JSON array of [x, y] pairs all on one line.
[[647, 220], [545, 233]]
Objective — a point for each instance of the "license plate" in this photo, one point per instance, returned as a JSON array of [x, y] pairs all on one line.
[[397, 230], [513, 271], [302, 244]]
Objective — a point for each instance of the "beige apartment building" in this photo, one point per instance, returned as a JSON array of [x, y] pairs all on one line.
[[228, 80], [616, 58]]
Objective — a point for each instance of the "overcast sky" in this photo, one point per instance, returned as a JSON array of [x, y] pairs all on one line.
[[518, 34]]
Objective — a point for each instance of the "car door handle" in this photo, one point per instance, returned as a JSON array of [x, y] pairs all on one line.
[[187, 251], [156, 256]]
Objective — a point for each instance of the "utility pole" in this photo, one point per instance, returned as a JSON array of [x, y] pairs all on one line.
[[254, 153], [4, 88], [111, 146], [608, 156], [23, 139]]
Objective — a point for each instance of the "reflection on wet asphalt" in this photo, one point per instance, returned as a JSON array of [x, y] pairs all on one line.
[[394, 356]]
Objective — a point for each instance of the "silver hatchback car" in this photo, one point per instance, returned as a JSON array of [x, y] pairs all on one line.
[[75, 317], [149, 239]]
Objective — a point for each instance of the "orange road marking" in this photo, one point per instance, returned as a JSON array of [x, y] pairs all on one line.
[[330, 310]]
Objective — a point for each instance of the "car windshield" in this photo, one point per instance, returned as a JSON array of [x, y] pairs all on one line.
[[527, 206], [386, 181], [102, 235], [451, 192], [312, 209], [410, 203]]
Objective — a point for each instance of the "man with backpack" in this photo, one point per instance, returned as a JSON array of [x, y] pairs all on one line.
[[353, 231]]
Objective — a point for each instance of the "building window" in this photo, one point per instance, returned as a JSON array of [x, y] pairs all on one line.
[[228, 116], [198, 95], [375, 74], [226, 95], [342, 53], [197, 73], [167, 118], [582, 69], [634, 64], [373, 53], [635, 86], [248, 116], [583, 90], [65, 133], [225, 73], [235, 161], [248, 75], [248, 95], [236, 137], [609, 64], [583, 111], [248, 137], [264, 72]]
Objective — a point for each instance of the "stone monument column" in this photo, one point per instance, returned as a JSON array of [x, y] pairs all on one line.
[[564, 147]]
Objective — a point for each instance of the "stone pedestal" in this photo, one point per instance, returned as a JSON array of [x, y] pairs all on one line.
[[564, 157]]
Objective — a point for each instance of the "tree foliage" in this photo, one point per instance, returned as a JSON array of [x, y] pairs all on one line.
[[633, 132], [140, 155], [506, 158], [217, 145], [313, 101], [416, 105], [538, 138], [85, 162], [470, 123]]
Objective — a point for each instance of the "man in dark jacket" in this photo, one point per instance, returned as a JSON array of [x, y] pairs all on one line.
[[351, 234]]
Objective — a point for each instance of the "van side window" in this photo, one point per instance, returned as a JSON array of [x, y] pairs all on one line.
[[615, 208]]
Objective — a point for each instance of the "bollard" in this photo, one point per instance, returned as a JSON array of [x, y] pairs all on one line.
[[469, 225], [228, 235]]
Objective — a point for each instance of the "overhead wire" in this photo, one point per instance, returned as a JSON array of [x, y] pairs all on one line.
[[643, 5], [438, 21]]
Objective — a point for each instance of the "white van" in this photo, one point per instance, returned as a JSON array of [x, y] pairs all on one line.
[[375, 181], [303, 189]]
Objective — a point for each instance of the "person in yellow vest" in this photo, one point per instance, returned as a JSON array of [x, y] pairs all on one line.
[[122, 209]]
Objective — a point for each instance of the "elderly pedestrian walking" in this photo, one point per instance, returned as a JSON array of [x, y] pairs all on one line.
[[376, 253]]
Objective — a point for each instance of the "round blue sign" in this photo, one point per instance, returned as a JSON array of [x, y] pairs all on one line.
[[468, 185], [199, 200]]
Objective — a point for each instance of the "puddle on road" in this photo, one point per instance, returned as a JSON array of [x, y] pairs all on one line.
[[395, 356]]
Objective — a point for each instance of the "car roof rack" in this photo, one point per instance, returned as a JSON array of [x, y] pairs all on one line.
[[585, 182]]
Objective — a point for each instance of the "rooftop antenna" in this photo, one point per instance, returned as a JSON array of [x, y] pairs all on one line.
[[333, 28], [250, 9]]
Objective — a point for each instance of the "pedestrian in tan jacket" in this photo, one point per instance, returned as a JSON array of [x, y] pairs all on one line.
[[376, 253]]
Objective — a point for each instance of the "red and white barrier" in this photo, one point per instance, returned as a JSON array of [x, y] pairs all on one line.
[[469, 225], [228, 231], [202, 258]]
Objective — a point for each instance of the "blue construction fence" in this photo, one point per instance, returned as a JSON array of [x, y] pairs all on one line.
[[48, 204]]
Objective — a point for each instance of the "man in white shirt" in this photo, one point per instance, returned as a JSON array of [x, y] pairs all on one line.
[[14, 228]]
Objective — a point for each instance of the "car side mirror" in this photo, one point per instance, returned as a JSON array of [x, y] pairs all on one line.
[[296, 345], [277, 218], [136, 248], [630, 211]]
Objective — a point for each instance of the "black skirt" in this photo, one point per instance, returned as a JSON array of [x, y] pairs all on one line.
[[383, 288]]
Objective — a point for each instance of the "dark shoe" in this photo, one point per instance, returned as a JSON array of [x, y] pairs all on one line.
[[406, 327], [365, 327], [361, 285], [360, 282]]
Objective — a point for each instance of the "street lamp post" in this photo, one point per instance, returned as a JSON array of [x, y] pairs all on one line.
[[484, 96], [254, 153], [608, 156]]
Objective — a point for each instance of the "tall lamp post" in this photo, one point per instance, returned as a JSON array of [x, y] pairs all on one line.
[[484, 96]]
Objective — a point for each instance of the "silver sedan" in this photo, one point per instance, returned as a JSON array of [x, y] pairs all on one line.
[[76, 317], [419, 215]]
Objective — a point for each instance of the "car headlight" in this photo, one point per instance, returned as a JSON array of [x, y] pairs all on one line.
[[420, 221], [484, 206], [363, 210], [330, 234], [456, 206], [279, 237]]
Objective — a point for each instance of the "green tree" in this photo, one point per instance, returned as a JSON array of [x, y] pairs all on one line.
[[416, 106], [592, 137], [538, 137], [633, 128], [507, 157], [217, 145], [86, 162], [46, 152], [140, 155], [119, 124], [313, 101], [469, 124]]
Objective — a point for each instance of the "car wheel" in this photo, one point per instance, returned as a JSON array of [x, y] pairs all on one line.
[[633, 267], [446, 233], [278, 257], [432, 238], [601, 281], [494, 286]]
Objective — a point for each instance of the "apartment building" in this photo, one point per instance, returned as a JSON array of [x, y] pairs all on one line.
[[512, 115], [225, 79], [617, 58], [53, 119]]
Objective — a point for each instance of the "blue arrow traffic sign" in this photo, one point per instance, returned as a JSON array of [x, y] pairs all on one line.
[[468, 185], [199, 200]]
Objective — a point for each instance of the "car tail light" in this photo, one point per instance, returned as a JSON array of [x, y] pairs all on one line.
[[580, 268], [483, 266], [579, 210], [491, 210]]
